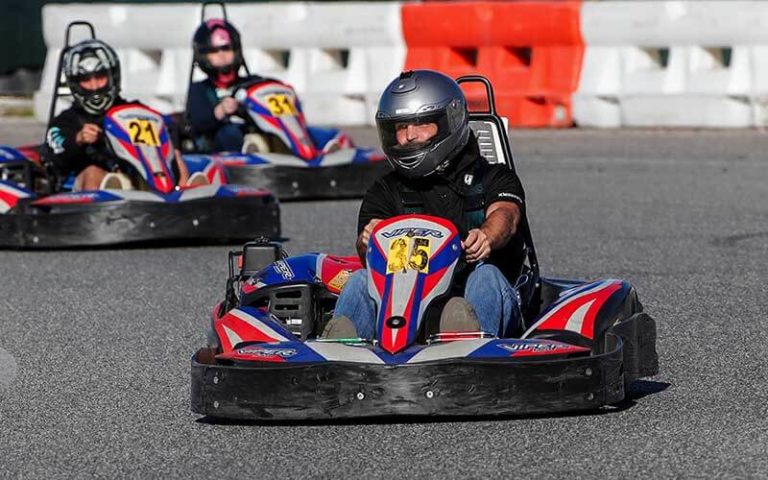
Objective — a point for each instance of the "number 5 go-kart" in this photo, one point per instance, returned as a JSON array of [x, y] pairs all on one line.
[[285, 155], [584, 342], [143, 206]]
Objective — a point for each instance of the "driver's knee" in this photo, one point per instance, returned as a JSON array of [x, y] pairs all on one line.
[[229, 138], [494, 300], [487, 277], [90, 178], [356, 284], [355, 303]]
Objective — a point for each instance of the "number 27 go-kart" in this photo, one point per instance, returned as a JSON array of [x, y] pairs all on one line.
[[33, 215], [584, 342]]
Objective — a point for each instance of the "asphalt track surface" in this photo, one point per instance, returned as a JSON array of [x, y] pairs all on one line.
[[101, 339]]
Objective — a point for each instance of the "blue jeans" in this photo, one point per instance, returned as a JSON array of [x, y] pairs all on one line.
[[495, 302], [228, 138]]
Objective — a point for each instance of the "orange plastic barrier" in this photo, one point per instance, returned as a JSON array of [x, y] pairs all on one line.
[[531, 52]]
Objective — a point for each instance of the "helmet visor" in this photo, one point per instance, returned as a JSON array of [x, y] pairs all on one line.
[[404, 139]]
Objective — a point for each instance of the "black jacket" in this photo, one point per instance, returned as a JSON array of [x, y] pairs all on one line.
[[63, 152], [453, 195], [202, 98]]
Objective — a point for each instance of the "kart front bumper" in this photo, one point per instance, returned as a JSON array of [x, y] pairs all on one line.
[[456, 388], [126, 222], [305, 183], [335, 390]]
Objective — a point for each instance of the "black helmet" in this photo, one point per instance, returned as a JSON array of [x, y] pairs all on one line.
[[422, 97], [211, 35], [87, 58]]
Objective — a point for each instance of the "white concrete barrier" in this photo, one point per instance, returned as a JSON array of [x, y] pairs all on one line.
[[673, 63], [338, 56]]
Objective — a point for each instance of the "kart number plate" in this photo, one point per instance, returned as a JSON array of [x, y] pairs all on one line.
[[143, 132], [408, 253], [281, 104]]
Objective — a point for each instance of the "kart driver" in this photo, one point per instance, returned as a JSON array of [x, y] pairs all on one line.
[[75, 143], [210, 104], [424, 131]]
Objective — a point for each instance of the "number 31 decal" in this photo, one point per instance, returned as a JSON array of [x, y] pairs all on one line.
[[144, 132], [281, 104]]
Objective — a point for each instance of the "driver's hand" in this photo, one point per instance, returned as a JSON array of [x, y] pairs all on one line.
[[366, 235], [226, 107], [476, 246], [88, 134]]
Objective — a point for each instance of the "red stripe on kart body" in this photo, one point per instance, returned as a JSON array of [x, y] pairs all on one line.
[[234, 355], [432, 280], [66, 199], [582, 309], [560, 350], [243, 329], [379, 281], [8, 198], [395, 339]]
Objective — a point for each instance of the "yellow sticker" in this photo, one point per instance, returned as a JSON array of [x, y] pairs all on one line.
[[408, 253], [281, 104], [143, 132], [397, 257], [419, 258], [339, 280]]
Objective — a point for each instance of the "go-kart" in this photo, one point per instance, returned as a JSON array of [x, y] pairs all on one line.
[[584, 342], [283, 153], [37, 212]]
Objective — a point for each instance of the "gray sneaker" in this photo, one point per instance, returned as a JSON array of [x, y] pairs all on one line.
[[339, 327], [458, 316]]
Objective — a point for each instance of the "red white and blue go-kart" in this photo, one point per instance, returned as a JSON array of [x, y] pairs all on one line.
[[286, 155], [149, 209], [584, 342]]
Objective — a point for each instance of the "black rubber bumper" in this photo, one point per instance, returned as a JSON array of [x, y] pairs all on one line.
[[218, 219], [299, 183], [448, 388], [280, 392]]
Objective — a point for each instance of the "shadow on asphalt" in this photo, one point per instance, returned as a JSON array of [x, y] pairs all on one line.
[[639, 389]]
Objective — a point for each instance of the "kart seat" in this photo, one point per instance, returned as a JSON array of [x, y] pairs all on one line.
[[489, 140]]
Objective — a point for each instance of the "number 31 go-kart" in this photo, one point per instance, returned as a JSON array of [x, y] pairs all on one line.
[[584, 342], [284, 154], [149, 208], [289, 157]]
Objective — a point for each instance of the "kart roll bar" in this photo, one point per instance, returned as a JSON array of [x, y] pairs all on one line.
[[488, 90], [57, 82], [207, 4]]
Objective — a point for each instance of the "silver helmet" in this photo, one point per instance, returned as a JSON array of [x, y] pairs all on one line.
[[422, 97], [87, 58]]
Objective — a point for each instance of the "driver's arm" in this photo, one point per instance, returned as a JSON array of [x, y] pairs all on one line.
[[501, 221], [200, 108], [379, 203], [505, 198], [60, 139]]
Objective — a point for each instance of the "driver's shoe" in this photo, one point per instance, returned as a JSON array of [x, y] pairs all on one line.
[[339, 327], [115, 181], [458, 316], [254, 143]]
